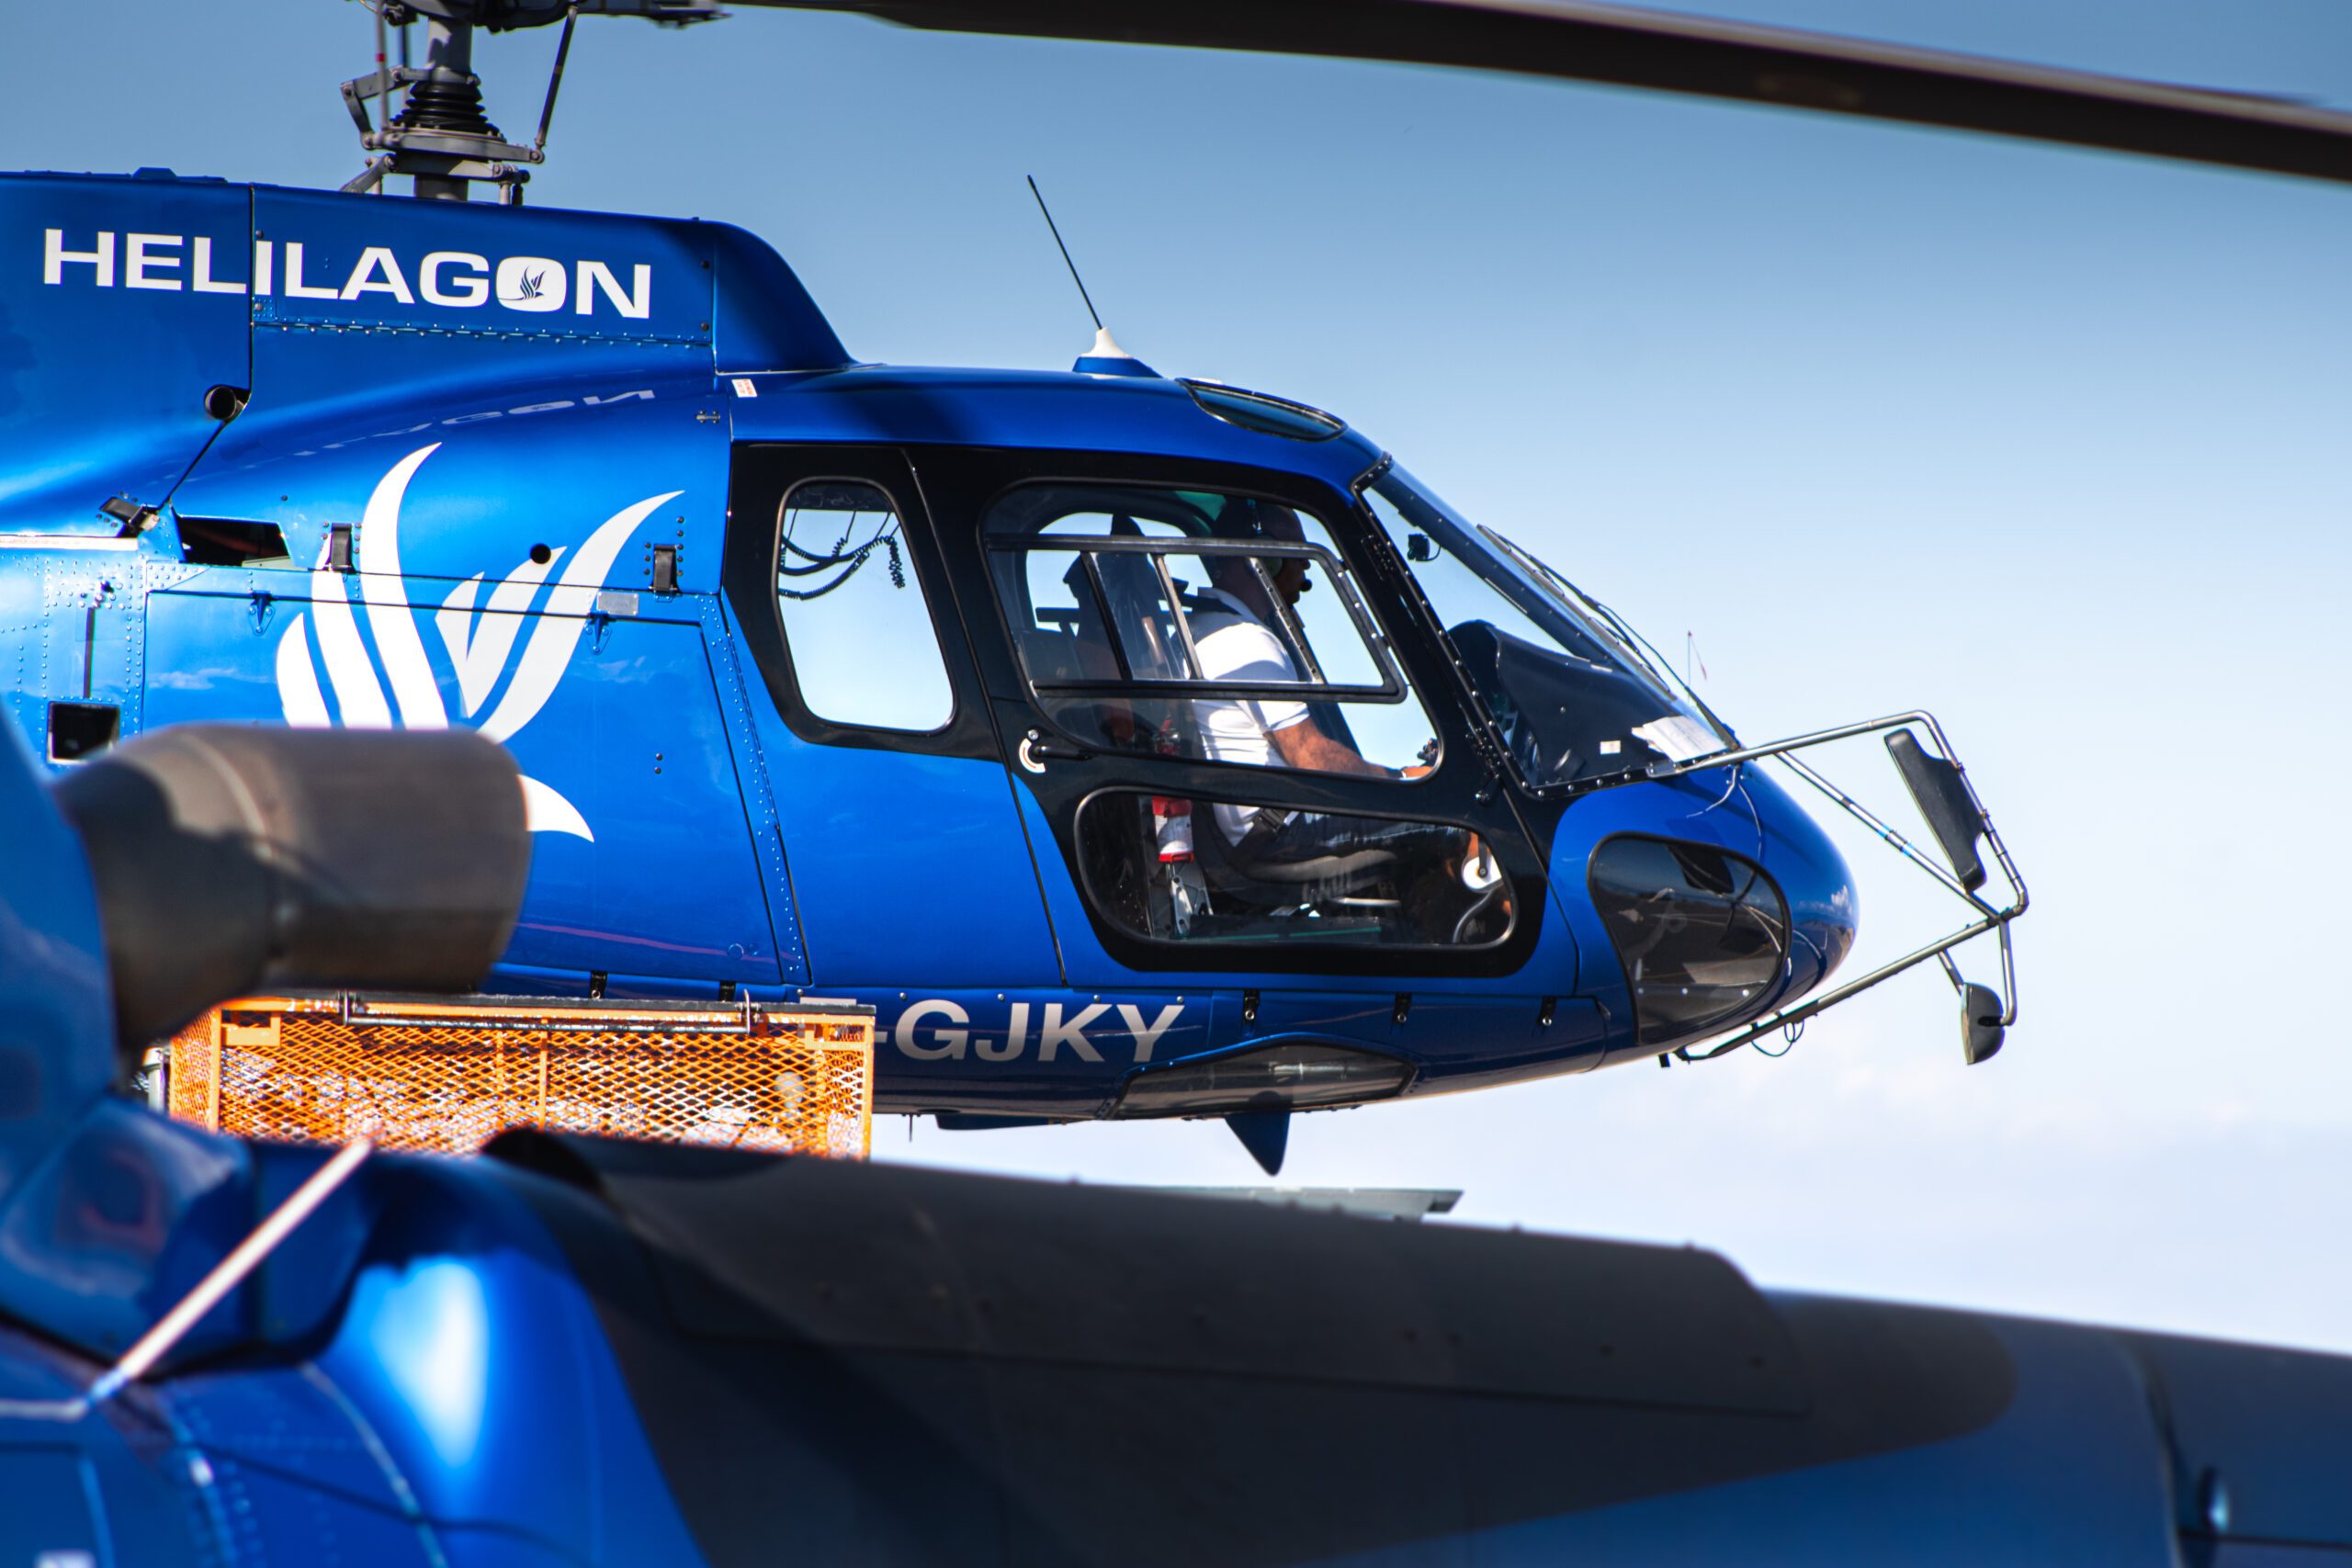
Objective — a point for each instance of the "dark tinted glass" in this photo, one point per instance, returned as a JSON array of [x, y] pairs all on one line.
[[1703, 933], [1108, 586], [1572, 698], [1268, 416], [1205, 871]]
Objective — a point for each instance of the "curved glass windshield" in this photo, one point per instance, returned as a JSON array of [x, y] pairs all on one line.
[[1574, 694]]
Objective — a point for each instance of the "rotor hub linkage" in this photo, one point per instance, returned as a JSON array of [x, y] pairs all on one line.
[[447, 105]]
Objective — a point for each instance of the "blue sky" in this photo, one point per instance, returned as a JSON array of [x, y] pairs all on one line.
[[2052, 443]]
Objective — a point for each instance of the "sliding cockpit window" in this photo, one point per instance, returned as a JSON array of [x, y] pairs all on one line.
[[1202, 626]]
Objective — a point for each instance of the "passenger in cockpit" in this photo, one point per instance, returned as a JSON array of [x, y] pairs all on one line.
[[1236, 642]]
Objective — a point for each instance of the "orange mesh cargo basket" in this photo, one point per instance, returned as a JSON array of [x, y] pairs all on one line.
[[448, 1076]]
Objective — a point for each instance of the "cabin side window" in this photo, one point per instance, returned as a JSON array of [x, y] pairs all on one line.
[[1212, 628], [856, 626]]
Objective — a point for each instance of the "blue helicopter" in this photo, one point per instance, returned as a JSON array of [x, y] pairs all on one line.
[[574, 1350], [770, 630]]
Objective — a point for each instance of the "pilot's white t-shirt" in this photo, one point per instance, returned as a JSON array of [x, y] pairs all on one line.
[[1235, 645]]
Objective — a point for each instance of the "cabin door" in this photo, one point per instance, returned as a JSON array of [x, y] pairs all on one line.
[[1228, 773], [906, 853]]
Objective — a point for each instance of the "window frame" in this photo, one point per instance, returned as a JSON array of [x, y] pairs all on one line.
[[1647, 1033], [762, 475], [1103, 907], [964, 484], [939, 645], [1393, 689], [1343, 572], [1641, 665]]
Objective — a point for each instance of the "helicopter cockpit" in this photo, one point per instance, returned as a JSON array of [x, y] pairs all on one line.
[[1181, 623]]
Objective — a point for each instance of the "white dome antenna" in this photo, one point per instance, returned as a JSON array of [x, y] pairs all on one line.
[[1105, 358]]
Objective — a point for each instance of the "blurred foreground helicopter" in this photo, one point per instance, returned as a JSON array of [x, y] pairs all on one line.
[[579, 1350], [1135, 746]]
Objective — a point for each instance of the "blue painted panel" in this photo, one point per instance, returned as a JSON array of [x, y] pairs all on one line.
[[739, 705], [762, 318], [1467, 1039], [1825, 912], [1458, 1034], [526, 276], [90, 622], [478, 1366], [126, 1212], [646, 860], [1054, 411], [281, 1469], [133, 1487], [73, 624], [537, 278], [1360, 1013], [57, 1053], [24, 647], [906, 870], [1011, 1051], [508, 465], [670, 884], [45, 1518], [130, 1209], [105, 361]]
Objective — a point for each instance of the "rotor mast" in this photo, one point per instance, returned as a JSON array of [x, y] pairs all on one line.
[[442, 128], [441, 138]]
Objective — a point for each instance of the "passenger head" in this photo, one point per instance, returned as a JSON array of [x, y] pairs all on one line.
[[1262, 521]]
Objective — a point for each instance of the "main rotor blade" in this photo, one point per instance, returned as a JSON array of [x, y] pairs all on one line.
[[1579, 41]]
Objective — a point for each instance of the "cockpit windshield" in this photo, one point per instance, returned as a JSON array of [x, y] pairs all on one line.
[[1573, 692]]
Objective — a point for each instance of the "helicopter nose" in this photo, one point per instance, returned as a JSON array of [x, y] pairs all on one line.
[[1718, 903], [1824, 913]]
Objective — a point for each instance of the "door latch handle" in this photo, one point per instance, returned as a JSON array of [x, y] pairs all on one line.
[[1035, 749]]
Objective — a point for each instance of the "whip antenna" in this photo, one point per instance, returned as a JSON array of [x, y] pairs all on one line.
[[1105, 358], [1056, 231]]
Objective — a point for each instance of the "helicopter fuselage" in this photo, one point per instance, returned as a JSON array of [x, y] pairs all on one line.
[[833, 680]]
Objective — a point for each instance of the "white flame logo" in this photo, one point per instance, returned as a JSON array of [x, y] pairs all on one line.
[[478, 643]]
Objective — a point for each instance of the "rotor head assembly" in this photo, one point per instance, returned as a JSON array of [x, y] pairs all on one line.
[[442, 139]]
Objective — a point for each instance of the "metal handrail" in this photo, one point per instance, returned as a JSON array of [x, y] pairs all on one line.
[[1988, 917]]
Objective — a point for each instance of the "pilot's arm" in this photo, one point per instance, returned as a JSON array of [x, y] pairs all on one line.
[[1243, 650], [1303, 745]]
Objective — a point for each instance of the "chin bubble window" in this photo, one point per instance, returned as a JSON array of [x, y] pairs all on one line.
[[1203, 872], [1703, 933]]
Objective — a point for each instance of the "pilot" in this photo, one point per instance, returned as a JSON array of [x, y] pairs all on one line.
[[1234, 637], [1233, 634]]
